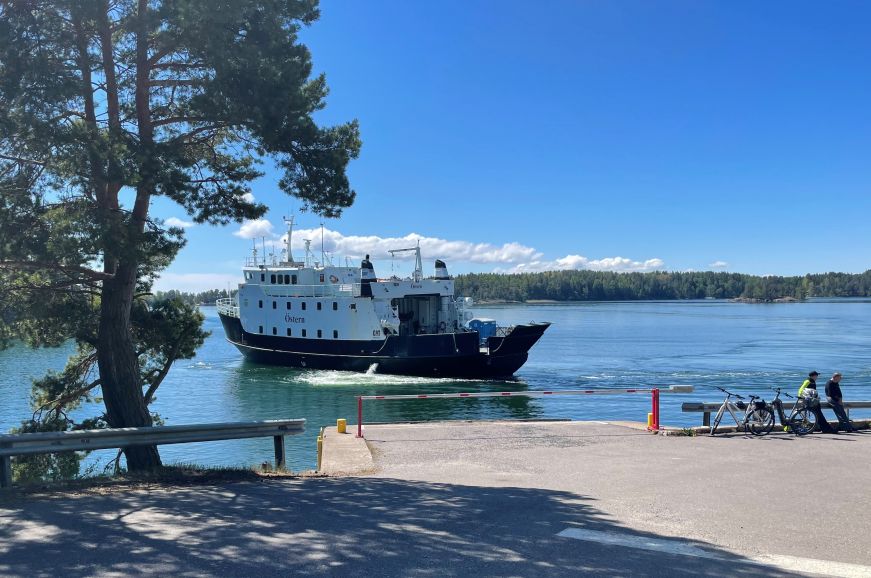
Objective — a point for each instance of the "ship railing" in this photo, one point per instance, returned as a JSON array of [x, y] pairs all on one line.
[[504, 331], [228, 306], [271, 261], [326, 290]]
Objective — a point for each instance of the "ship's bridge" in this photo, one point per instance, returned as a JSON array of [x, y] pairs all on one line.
[[291, 281]]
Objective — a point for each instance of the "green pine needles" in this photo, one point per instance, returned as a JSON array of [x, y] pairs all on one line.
[[105, 106]]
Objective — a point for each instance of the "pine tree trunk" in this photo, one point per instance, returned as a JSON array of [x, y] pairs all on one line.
[[119, 366]]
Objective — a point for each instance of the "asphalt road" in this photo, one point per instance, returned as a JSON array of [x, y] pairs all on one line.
[[771, 497], [484, 500]]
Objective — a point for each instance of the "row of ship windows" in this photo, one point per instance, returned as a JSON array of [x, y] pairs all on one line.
[[279, 279], [304, 334], [319, 304]]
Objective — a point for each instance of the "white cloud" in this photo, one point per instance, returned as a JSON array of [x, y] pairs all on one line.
[[195, 282], [718, 265], [515, 257], [355, 246], [255, 229], [248, 197], [176, 222], [579, 262]]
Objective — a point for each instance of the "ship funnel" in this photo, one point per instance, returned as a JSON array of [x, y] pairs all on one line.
[[367, 271], [367, 275], [441, 270]]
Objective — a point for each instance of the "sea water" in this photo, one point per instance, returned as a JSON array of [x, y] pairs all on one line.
[[747, 348]]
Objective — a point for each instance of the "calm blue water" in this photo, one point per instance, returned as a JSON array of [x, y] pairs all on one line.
[[703, 343]]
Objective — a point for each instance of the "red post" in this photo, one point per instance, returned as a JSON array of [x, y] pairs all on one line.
[[359, 416], [655, 401]]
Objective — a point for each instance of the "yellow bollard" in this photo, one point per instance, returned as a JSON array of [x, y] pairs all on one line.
[[649, 420], [341, 425], [320, 451]]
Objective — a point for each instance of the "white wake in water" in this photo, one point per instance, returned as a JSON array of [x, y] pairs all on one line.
[[370, 378]]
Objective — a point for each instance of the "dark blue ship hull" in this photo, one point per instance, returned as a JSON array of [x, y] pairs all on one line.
[[440, 355]]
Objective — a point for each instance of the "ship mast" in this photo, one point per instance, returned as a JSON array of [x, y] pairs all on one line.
[[418, 264], [289, 223]]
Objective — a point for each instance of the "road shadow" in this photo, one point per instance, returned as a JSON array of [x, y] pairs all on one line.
[[332, 526]]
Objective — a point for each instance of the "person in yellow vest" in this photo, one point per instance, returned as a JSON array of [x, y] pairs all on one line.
[[808, 393]]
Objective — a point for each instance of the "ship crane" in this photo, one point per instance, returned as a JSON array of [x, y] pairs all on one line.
[[418, 264]]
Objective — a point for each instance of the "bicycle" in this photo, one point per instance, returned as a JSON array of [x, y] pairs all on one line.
[[758, 418], [801, 420]]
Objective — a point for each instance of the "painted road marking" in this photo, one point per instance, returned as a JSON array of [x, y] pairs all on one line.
[[790, 563]]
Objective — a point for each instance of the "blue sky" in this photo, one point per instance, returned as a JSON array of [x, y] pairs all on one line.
[[519, 136]]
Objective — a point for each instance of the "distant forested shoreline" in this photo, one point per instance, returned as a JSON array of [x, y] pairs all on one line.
[[611, 286], [202, 298], [660, 285]]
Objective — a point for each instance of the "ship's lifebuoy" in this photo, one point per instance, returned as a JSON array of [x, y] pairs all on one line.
[[442, 326]]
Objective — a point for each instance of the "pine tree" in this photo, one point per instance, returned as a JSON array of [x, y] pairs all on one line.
[[105, 106]]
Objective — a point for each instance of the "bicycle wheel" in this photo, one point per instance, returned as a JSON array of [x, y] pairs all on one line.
[[760, 421], [803, 422]]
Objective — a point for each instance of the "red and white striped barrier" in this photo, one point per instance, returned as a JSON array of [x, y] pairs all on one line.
[[654, 393]]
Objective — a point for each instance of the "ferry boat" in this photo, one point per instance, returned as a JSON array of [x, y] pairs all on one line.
[[311, 314]]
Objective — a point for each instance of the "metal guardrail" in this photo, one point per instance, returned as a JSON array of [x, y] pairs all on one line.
[[52, 442], [708, 408]]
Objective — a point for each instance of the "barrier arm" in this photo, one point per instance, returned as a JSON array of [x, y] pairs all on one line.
[[655, 426]]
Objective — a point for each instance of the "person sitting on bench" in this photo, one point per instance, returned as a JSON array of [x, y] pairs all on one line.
[[808, 393], [836, 400]]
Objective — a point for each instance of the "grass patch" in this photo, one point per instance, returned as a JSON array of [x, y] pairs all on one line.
[[167, 476], [683, 432]]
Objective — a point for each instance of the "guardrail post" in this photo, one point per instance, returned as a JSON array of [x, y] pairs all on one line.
[[5, 472], [278, 442], [706, 419], [320, 449], [359, 416], [655, 408]]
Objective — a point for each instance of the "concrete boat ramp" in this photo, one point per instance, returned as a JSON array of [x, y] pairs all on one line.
[[484, 499]]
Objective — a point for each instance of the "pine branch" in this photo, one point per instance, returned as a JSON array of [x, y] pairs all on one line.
[[175, 82], [163, 371], [57, 405], [177, 65], [22, 160], [40, 265], [178, 120], [157, 56]]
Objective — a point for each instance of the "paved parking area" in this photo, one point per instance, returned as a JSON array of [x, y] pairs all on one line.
[[551, 499], [776, 496]]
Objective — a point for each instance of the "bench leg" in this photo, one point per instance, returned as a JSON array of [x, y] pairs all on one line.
[[279, 452], [5, 472], [706, 419]]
